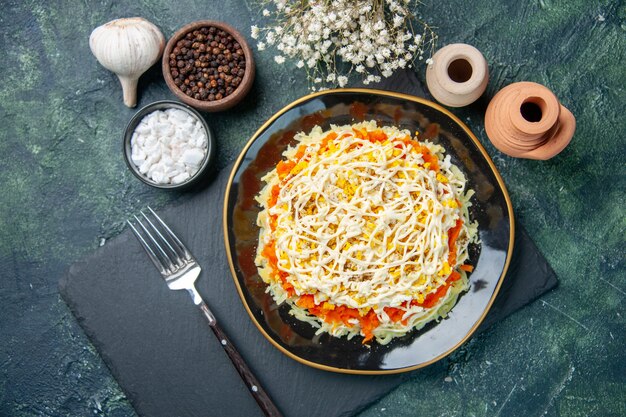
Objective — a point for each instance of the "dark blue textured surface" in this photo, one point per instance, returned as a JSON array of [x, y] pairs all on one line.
[[65, 191]]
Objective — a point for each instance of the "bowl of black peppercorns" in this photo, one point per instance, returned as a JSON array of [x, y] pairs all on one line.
[[208, 65]]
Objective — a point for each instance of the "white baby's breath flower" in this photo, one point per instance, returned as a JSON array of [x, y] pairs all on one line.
[[270, 38], [333, 39]]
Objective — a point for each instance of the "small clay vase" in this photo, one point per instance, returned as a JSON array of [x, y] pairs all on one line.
[[458, 75], [526, 120]]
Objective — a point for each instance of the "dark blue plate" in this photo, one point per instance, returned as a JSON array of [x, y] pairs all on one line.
[[491, 208]]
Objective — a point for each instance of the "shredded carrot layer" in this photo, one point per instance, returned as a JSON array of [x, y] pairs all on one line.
[[274, 196], [430, 159], [284, 168], [453, 235], [269, 252], [395, 314], [369, 322], [341, 315]]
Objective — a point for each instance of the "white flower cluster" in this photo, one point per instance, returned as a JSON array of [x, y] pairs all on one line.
[[333, 39]]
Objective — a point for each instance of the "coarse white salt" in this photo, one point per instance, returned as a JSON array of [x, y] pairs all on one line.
[[168, 146]]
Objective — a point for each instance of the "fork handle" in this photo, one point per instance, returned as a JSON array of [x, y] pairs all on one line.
[[257, 391]]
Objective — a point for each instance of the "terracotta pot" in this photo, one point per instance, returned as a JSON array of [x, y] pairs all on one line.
[[458, 75], [526, 120]]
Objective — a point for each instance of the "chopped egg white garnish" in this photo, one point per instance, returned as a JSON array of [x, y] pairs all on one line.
[[365, 230]]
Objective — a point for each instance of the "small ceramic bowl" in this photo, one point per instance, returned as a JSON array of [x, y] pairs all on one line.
[[216, 105], [206, 164]]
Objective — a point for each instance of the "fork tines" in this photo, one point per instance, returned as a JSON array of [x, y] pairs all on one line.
[[164, 249]]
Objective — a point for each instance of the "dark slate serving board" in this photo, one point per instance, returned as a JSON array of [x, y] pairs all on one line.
[[159, 348]]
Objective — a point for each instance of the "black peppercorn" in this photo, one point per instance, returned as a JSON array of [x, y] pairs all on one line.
[[207, 64]]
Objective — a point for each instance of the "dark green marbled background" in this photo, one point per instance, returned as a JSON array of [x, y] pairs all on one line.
[[65, 191]]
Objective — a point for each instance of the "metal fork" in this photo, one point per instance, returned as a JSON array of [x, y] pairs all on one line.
[[180, 271]]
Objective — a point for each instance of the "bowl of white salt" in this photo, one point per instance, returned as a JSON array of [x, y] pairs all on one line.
[[168, 145]]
